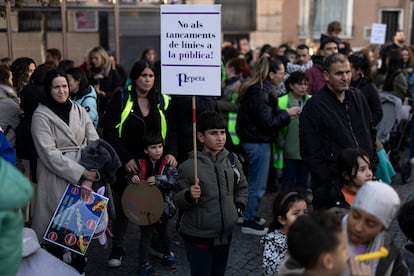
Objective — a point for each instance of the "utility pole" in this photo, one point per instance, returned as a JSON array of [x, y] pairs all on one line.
[[116, 23], [9, 29], [64, 29]]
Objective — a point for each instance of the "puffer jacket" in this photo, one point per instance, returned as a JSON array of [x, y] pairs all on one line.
[[214, 215], [16, 193], [258, 118], [88, 100]]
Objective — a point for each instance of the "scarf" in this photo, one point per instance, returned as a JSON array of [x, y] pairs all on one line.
[[62, 110]]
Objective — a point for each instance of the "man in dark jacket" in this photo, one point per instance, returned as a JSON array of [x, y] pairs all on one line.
[[334, 119]]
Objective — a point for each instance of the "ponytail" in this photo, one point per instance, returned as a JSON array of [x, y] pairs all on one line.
[[264, 65]]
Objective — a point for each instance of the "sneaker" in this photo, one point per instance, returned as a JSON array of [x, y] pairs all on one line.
[[148, 270], [115, 259], [260, 221], [169, 261], [252, 227]]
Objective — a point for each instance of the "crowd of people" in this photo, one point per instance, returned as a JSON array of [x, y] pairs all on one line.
[[300, 121]]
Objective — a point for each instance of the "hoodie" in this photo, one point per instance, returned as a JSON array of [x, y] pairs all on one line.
[[37, 261]]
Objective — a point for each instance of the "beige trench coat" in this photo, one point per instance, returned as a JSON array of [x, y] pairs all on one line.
[[58, 146]]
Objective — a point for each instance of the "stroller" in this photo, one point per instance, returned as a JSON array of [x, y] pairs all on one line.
[[393, 131]]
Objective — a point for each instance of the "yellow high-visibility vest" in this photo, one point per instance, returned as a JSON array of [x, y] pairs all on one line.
[[128, 107], [231, 127]]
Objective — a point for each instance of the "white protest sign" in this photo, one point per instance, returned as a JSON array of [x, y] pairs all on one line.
[[378, 32], [191, 50]]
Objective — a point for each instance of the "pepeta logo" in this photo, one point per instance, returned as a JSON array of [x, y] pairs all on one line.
[[183, 78]]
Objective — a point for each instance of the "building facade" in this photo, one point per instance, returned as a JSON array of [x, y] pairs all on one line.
[[92, 22]]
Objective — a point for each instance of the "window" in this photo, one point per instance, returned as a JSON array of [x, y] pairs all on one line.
[[325, 11], [31, 21], [238, 15]]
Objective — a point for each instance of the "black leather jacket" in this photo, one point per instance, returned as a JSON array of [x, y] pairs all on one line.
[[259, 118]]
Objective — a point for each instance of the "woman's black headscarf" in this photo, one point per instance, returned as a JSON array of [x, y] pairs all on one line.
[[62, 110]]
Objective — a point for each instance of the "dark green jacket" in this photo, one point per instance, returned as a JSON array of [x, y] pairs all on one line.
[[214, 215]]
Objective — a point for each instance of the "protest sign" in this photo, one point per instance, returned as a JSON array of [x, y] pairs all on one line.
[[378, 32], [74, 221], [191, 49]]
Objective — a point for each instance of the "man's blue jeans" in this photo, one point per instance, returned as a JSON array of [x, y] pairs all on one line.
[[259, 161]]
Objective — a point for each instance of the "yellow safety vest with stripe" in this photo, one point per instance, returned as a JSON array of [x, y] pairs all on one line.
[[232, 123], [283, 102], [128, 107]]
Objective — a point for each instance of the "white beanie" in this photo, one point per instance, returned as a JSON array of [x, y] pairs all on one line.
[[378, 199]]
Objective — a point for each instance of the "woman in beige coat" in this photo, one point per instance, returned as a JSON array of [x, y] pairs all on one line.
[[60, 129]]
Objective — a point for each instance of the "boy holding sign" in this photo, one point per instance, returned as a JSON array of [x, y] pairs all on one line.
[[209, 204]]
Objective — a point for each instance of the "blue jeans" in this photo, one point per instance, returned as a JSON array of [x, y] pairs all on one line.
[[259, 161], [295, 176]]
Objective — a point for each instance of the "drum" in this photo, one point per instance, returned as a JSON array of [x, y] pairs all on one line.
[[142, 204]]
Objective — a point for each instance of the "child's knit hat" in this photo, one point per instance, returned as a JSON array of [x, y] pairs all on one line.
[[378, 199]]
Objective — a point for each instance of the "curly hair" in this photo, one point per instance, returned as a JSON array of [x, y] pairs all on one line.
[[20, 71]]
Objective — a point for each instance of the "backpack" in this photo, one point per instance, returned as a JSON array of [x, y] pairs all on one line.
[[234, 167], [24, 142]]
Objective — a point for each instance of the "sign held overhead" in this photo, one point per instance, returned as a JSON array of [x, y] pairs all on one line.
[[191, 50]]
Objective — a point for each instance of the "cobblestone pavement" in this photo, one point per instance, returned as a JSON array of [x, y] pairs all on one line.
[[245, 253]]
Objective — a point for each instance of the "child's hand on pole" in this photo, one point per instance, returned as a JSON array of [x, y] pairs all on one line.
[[195, 190]]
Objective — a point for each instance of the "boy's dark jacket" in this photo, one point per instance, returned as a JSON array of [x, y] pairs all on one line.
[[214, 215], [165, 174], [165, 179]]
